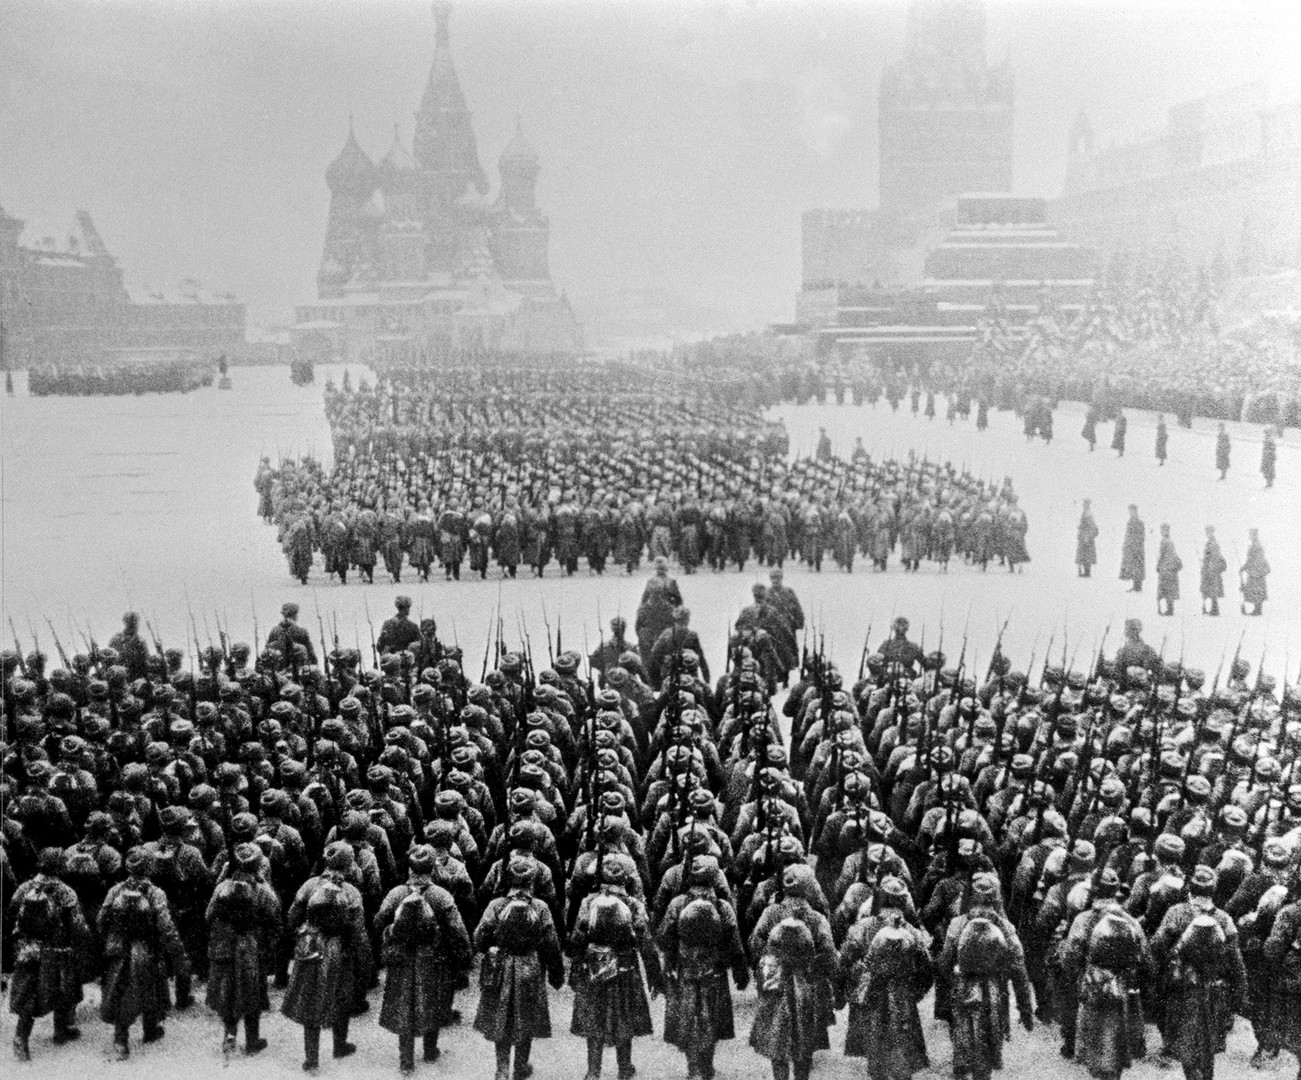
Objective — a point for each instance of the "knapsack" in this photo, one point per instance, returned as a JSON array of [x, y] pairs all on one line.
[[235, 903], [168, 873], [327, 910], [38, 918], [982, 947], [1114, 942], [134, 913], [81, 871]]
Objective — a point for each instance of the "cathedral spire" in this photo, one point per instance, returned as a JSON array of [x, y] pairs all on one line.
[[444, 141]]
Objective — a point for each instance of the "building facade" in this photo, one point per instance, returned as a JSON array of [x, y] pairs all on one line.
[[1220, 180], [64, 301]]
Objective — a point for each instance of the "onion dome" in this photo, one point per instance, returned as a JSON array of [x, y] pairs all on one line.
[[352, 172]]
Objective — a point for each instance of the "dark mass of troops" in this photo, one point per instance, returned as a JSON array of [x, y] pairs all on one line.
[[1109, 846], [436, 469]]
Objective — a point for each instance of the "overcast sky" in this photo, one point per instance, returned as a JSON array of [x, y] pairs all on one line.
[[679, 143]]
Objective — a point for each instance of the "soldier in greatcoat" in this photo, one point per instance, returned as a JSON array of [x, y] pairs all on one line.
[[140, 941], [243, 920], [699, 940], [332, 955], [1086, 542], [885, 970], [426, 952], [1133, 555], [610, 944], [517, 938], [1212, 575], [1168, 566], [47, 942]]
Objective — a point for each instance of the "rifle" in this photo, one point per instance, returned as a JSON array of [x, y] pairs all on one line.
[[325, 653], [374, 652], [551, 656], [867, 639], [22, 664], [998, 648]]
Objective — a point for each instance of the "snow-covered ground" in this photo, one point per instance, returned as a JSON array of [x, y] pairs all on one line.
[[117, 503]]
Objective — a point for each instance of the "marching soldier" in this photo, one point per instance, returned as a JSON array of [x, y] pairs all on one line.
[[1168, 566], [1222, 448], [243, 920], [982, 954], [517, 938], [332, 956], [1133, 555], [47, 936], [1253, 574], [426, 952], [140, 942], [699, 940], [398, 632]]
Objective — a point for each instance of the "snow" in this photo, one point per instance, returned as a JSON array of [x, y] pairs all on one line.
[[117, 503]]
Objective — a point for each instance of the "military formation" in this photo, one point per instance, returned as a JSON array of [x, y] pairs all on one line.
[[1111, 848], [153, 377], [607, 469]]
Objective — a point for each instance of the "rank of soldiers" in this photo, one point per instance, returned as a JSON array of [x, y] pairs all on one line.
[[1103, 847], [152, 377], [427, 476]]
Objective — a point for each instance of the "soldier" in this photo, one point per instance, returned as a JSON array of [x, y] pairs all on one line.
[[243, 920], [795, 959], [1253, 574], [332, 956], [140, 942], [1168, 566], [181, 873], [885, 970], [901, 654], [427, 952], [297, 546], [677, 640], [287, 634], [1212, 576], [398, 633], [517, 938], [132, 652], [1268, 457], [824, 444], [610, 935], [1118, 435], [655, 612], [1133, 555], [1090, 429], [1201, 976], [1222, 448], [1105, 957], [783, 599], [699, 940], [607, 654], [48, 931], [1283, 951], [982, 953], [1162, 439], [1086, 542], [1135, 652]]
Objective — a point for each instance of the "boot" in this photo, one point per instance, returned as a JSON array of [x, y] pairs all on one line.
[[153, 1031], [253, 1041], [595, 1050], [407, 1053], [802, 1068], [22, 1037], [342, 1047], [122, 1041], [311, 1049], [65, 1027], [781, 1069], [431, 1051], [523, 1070], [228, 1041], [623, 1055], [707, 1062], [503, 1061]]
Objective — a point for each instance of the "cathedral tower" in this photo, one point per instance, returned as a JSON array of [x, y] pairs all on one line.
[[520, 231]]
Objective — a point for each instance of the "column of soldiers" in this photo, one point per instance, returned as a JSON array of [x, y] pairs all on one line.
[[428, 476], [1253, 574], [1103, 848]]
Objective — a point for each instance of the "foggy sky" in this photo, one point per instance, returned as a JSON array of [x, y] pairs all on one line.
[[679, 143]]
